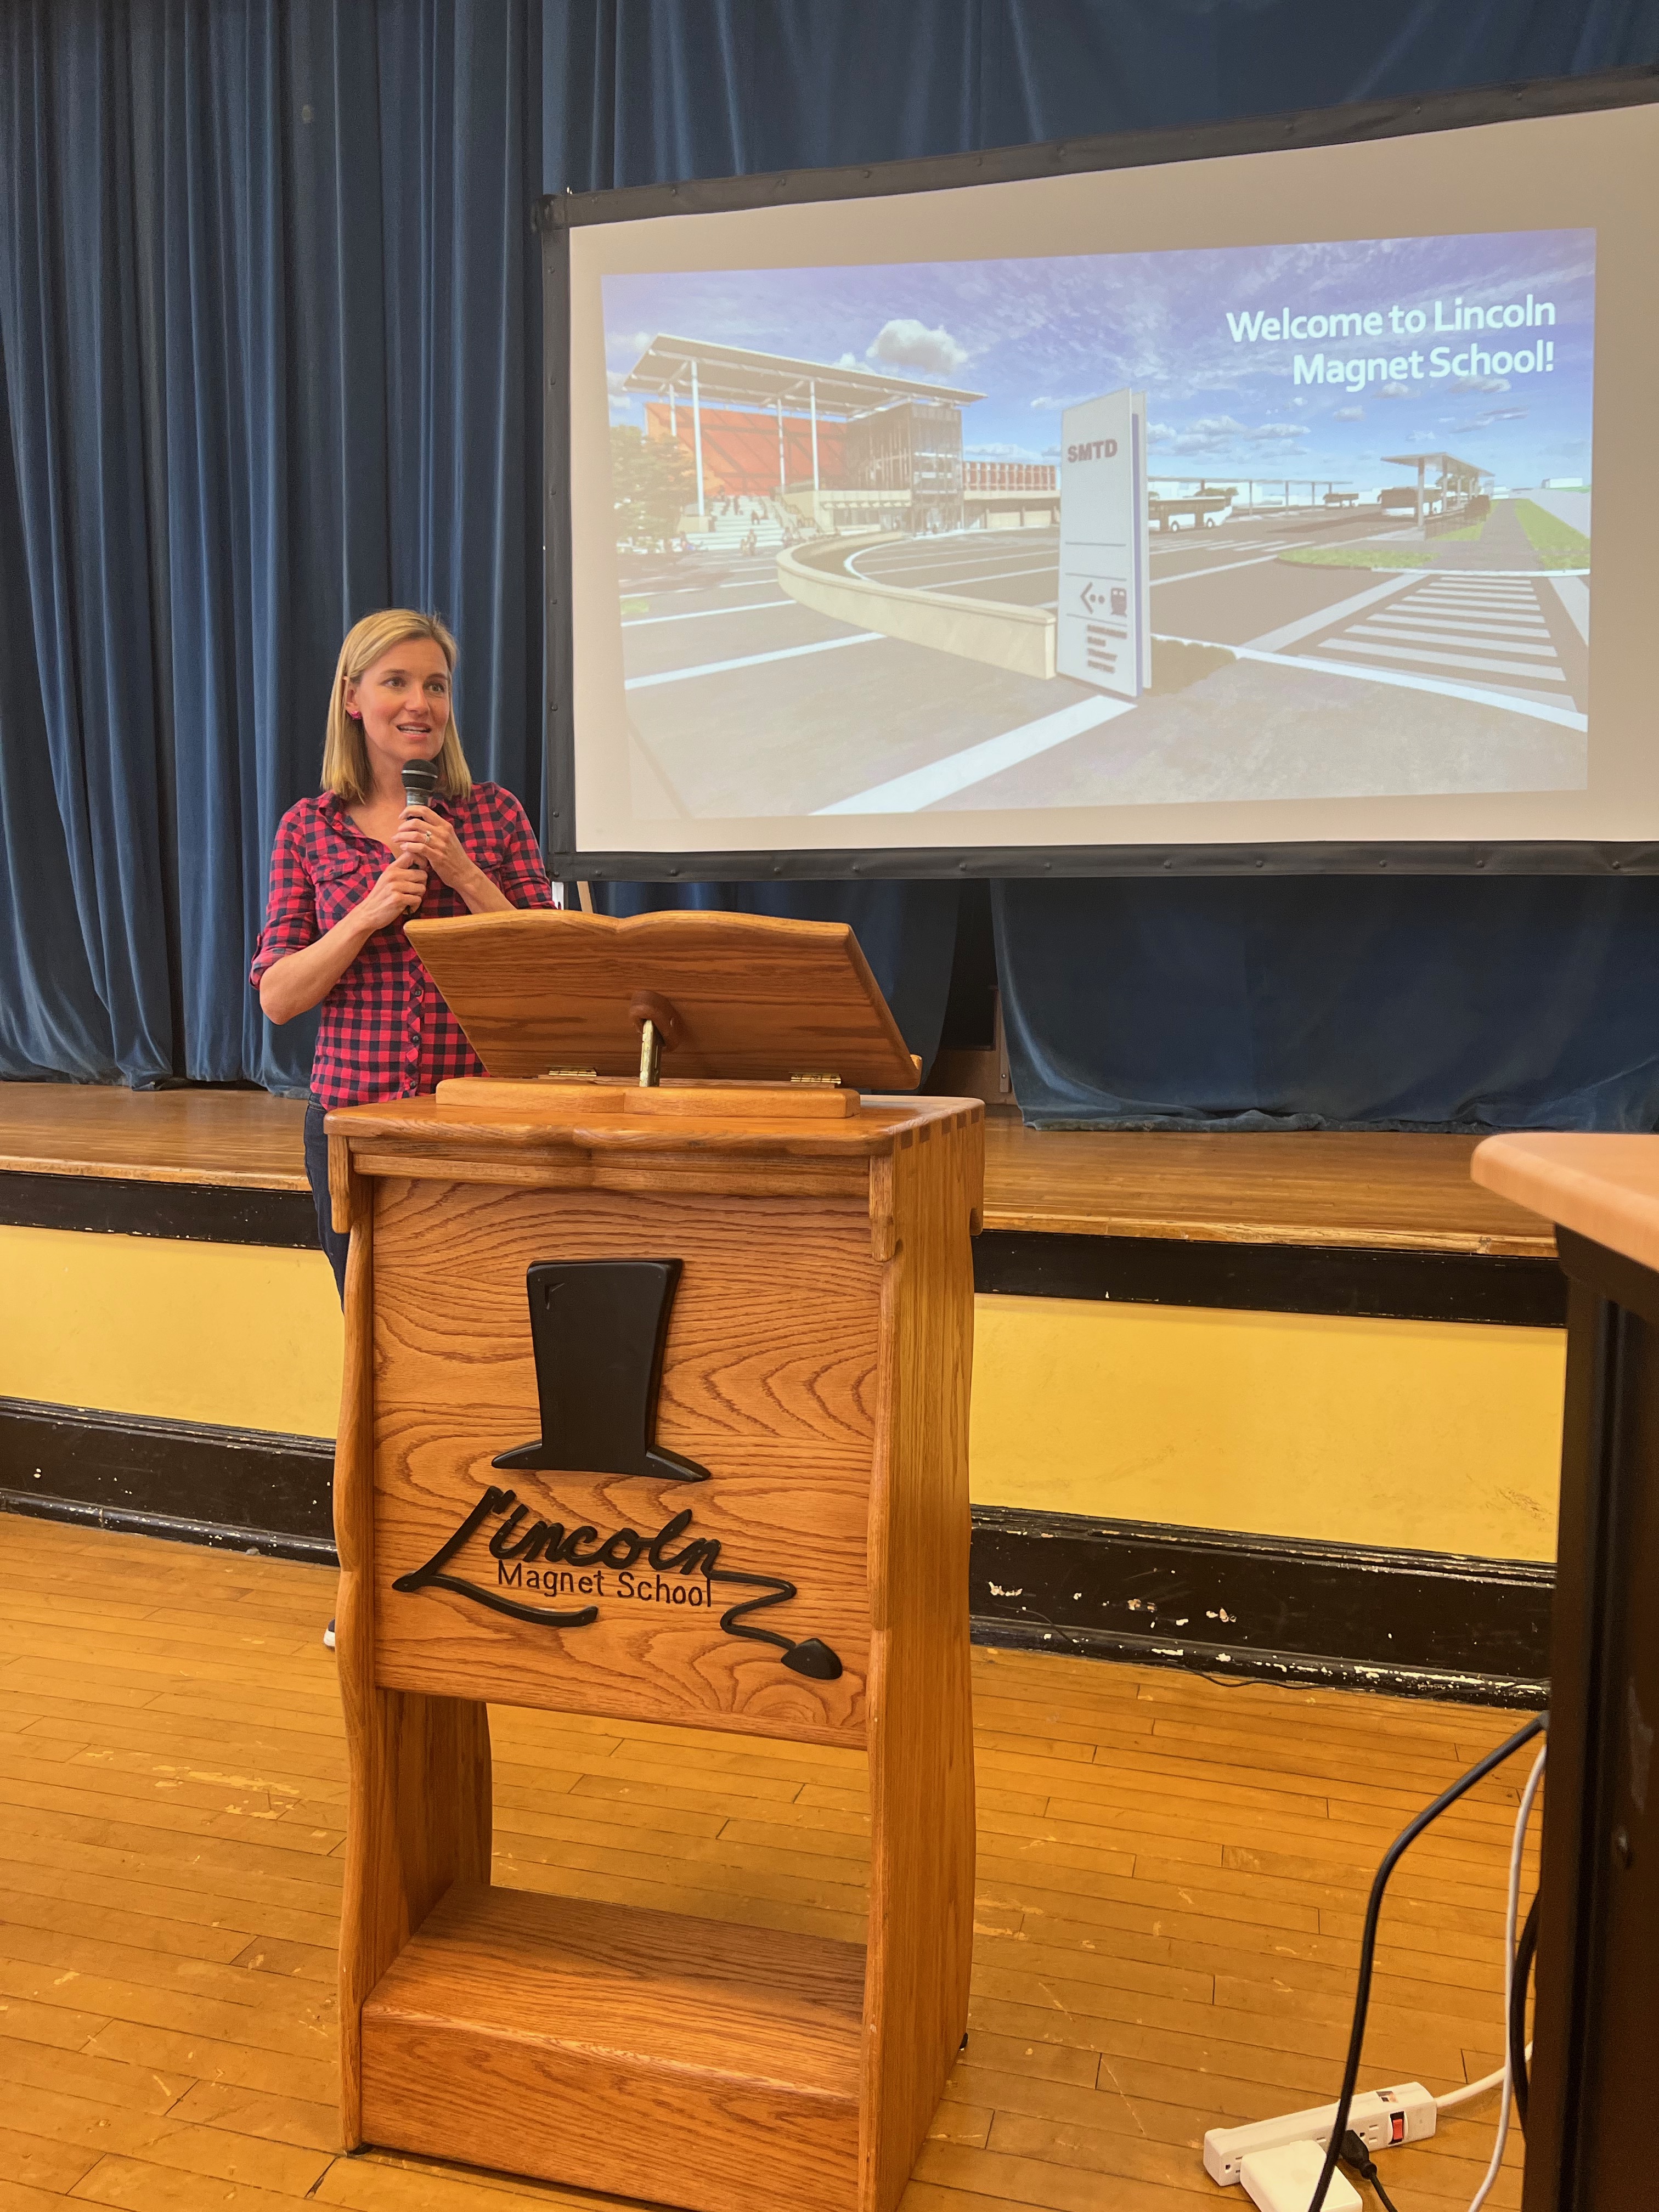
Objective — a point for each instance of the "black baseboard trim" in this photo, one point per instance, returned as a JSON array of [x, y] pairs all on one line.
[[135, 1205], [1411, 1623], [1296, 1670], [250, 1487], [217, 1535], [1301, 1279]]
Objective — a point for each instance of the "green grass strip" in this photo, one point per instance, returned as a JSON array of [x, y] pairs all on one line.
[[1557, 543]]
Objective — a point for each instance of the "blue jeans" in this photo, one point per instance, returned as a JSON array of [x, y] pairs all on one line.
[[316, 1175]]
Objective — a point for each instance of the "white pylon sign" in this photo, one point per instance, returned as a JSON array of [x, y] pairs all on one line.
[[1104, 614]]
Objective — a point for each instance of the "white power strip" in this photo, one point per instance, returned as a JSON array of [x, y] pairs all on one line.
[[1381, 2119]]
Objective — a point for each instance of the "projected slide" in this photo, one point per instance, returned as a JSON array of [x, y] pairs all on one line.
[[1114, 529]]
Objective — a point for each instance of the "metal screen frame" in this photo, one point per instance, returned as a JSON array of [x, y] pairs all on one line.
[[557, 214]]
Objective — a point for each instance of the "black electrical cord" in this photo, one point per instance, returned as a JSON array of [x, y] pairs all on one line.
[[1354, 2154], [1525, 1951], [1391, 1858]]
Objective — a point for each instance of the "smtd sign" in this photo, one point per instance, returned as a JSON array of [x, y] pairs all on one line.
[[1104, 613]]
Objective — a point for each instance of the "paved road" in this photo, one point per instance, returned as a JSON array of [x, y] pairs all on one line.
[[1225, 585], [746, 704]]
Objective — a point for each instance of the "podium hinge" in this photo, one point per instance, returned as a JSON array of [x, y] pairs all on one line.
[[569, 1075], [825, 1082]]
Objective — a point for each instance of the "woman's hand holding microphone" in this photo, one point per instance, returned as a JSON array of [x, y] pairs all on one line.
[[424, 839], [396, 893], [421, 840]]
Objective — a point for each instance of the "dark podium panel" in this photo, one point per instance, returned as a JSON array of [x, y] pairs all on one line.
[[1595, 2048], [1595, 2062]]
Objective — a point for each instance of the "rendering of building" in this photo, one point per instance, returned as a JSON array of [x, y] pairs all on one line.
[[847, 449]]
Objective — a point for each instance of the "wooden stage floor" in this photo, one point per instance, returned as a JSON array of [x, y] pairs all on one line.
[[1399, 1191], [1172, 1874]]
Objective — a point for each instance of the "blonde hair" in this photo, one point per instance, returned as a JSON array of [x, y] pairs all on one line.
[[345, 754]]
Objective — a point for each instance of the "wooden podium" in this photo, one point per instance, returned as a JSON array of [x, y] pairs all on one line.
[[655, 1407]]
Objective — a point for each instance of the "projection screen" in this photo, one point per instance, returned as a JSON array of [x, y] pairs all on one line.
[[1215, 502]]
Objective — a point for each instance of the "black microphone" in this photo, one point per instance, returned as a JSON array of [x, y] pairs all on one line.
[[420, 781]]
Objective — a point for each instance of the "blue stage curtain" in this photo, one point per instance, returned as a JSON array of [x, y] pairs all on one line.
[[641, 91], [269, 338], [270, 355], [1305, 1003]]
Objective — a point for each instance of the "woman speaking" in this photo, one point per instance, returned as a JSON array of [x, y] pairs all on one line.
[[351, 866]]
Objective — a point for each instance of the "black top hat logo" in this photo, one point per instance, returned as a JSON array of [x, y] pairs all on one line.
[[597, 1329]]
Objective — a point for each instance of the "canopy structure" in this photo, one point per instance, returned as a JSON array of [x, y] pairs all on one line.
[[1459, 479], [732, 376], [703, 373]]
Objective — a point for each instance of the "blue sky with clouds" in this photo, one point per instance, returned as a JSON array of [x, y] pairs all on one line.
[[1036, 335]]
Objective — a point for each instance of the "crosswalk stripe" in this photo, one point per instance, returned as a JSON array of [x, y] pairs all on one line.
[[1476, 599], [750, 660], [1511, 698], [1419, 656], [1400, 634], [1442, 612], [1527, 606], [943, 779], [1519, 625], [702, 614]]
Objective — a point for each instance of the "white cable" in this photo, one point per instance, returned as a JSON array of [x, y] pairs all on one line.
[[1471, 2090], [1510, 1917]]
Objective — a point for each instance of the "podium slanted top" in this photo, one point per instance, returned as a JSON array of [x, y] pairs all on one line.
[[736, 997]]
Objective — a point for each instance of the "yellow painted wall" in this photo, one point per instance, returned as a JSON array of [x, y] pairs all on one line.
[[238, 1335], [1438, 1436]]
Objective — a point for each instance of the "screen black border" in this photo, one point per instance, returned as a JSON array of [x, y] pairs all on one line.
[[556, 214]]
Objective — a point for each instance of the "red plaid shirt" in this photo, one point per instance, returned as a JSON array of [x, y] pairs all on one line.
[[386, 1033]]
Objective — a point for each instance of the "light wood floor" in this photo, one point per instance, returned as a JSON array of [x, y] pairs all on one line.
[[1172, 1874]]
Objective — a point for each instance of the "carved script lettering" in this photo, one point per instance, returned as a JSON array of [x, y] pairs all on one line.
[[558, 1562]]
